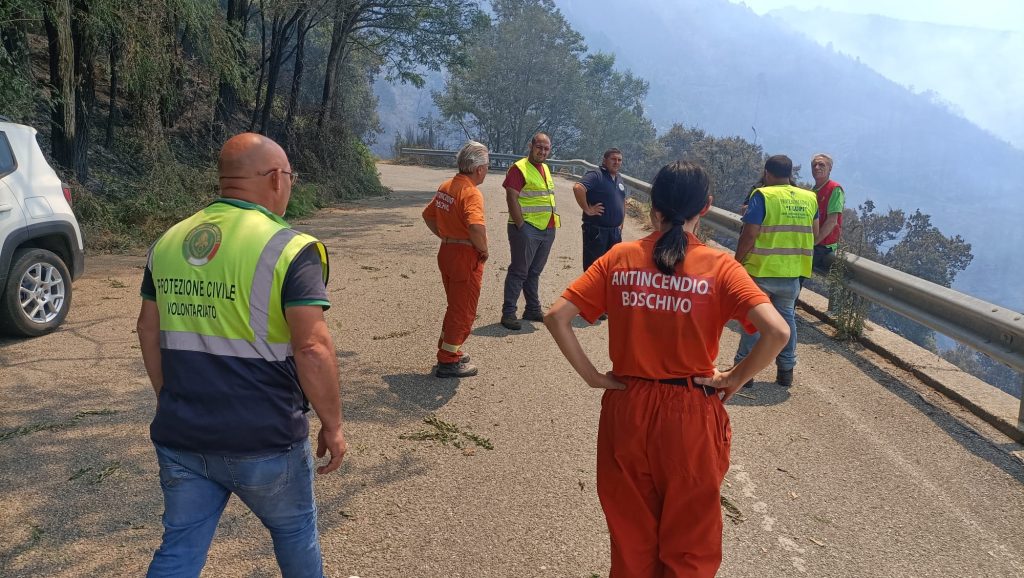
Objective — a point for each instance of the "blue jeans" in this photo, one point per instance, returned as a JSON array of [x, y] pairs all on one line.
[[277, 487], [783, 292]]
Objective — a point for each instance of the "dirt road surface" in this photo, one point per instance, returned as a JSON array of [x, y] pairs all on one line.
[[856, 471]]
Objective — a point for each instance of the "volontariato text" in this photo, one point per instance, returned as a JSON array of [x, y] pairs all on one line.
[[659, 292], [206, 291]]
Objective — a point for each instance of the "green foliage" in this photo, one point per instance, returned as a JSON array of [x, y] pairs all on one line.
[[850, 309], [523, 74], [305, 200]]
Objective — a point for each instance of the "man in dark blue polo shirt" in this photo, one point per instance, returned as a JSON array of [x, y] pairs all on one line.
[[602, 196]]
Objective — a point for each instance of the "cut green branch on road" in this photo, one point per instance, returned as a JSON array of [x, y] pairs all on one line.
[[447, 434]]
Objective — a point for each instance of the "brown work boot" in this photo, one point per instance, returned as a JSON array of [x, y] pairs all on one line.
[[455, 369]]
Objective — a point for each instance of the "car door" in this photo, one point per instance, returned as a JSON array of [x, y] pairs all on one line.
[[12, 216]]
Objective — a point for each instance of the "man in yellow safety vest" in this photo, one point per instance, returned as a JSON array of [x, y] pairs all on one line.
[[236, 347], [532, 220], [776, 247]]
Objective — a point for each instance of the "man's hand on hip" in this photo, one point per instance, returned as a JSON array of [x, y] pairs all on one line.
[[333, 442]]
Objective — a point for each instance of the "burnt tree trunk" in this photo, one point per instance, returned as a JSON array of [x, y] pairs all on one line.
[[115, 60], [298, 69], [85, 93], [62, 81]]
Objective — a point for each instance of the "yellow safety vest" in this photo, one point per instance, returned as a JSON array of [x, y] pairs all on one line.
[[537, 199], [785, 244], [225, 299]]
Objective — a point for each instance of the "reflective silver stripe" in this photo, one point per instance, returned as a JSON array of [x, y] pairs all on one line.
[[185, 341], [536, 193], [538, 209], [781, 251], [263, 283], [787, 229]]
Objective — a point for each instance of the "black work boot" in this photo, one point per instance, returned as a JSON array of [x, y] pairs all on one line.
[[455, 369], [511, 323], [534, 316], [784, 377]]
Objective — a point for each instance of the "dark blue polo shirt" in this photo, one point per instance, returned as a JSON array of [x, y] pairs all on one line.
[[611, 192]]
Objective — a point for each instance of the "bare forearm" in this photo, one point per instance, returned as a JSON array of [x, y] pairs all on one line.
[[774, 336], [559, 324], [580, 192], [514, 210], [318, 375], [149, 342], [432, 225], [826, 229], [148, 329], [478, 236], [743, 247]]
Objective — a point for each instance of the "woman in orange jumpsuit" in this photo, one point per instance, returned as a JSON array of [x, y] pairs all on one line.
[[664, 435]]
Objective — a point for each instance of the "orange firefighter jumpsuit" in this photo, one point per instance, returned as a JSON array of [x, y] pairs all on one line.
[[457, 205], [663, 443]]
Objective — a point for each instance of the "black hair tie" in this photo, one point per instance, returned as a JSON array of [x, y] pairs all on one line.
[[678, 222]]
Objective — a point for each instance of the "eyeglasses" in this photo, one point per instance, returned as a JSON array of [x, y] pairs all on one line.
[[292, 175]]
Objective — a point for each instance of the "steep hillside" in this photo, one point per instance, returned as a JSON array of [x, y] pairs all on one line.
[[721, 67], [964, 66]]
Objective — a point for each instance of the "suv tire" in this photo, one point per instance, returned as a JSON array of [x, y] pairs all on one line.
[[38, 294]]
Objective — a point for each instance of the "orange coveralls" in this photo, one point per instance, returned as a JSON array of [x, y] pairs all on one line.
[[663, 448], [457, 205]]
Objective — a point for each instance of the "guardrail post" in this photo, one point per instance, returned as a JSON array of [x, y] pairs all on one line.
[[1020, 412]]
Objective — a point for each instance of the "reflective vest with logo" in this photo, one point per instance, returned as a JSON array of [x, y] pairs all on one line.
[[537, 199], [218, 276], [785, 244], [824, 196]]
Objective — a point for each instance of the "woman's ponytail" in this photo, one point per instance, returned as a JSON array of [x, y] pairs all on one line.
[[679, 193]]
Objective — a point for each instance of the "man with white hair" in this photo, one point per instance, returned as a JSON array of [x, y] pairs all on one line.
[[831, 202], [456, 216]]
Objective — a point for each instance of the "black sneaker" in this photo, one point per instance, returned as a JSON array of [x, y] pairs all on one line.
[[535, 316], [784, 377], [511, 323], [455, 369]]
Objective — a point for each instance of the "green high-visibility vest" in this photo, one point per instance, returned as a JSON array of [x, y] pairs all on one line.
[[785, 244], [218, 277], [537, 199]]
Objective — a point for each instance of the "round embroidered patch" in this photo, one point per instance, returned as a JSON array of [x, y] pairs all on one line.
[[201, 244]]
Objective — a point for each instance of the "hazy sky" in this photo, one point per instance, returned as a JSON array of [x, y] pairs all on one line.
[[994, 14]]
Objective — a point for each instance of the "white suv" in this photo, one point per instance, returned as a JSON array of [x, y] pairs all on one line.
[[41, 248]]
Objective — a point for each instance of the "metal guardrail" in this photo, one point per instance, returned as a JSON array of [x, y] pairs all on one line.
[[993, 330]]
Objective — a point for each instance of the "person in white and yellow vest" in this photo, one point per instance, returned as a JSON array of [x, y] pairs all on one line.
[[236, 347], [776, 247], [532, 220]]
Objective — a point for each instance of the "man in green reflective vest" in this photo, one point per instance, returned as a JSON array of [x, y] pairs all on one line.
[[776, 247], [532, 220], [236, 347]]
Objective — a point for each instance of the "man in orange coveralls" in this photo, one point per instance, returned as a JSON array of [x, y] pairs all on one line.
[[456, 215]]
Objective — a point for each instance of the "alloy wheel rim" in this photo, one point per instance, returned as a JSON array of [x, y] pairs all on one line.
[[41, 293]]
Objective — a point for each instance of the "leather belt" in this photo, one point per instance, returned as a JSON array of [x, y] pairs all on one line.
[[687, 381], [449, 240]]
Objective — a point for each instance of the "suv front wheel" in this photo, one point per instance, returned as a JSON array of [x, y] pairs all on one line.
[[38, 293]]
